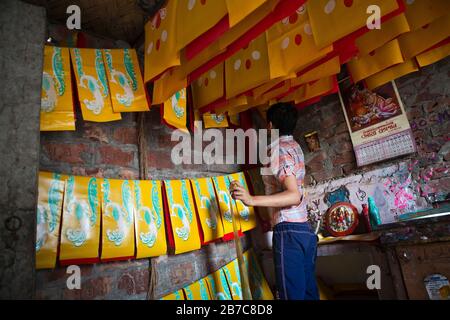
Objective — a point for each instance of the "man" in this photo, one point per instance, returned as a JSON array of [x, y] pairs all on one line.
[[294, 242]]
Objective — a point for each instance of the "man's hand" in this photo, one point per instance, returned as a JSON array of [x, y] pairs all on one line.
[[238, 192]]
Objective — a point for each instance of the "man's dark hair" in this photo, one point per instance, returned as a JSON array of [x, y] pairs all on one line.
[[283, 117]]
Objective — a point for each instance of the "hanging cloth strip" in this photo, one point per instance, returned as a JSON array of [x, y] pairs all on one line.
[[175, 111], [212, 120], [438, 52], [391, 73]]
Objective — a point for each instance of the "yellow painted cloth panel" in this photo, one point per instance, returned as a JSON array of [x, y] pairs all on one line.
[[382, 58], [259, 287], [276, 92], [390, 74], [57, 110], [161, 42], [218, 285], [80, 233], [248, 68], [326, 69], [118, 207], [175, 110], [259, 91], [212, 120], [294, 50], [433, 55], [177, 295], [149, 219], [247, 215], [195, 17], [234, 105], [50, 200], [197, 291], [182, 215], [332, 20], [125, 80], [315, 89], [221, 185], [207, 208], [171, 82], [238, 10], [231, 271], [422, 12], [376, 38], [209, 87], [281, 28], [416, 42], [92, 84]]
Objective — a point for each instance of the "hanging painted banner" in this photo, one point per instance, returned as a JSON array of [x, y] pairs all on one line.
[[177, 295], [197, 291], [57, 110], [149, 219], [50, 200], [247, 216], [212, 120], [125, 80], [80, 232], [92, 85], [435, 54], [391, 73], [207, 208], [218, 285], [238, 10], [259, 287], [209, 87], [222, 186], [422, 12], [175, 111], [233, 276], [377, 122], [118, 207], [183, 219]]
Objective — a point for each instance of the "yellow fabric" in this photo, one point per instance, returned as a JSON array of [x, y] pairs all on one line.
[[57, 110], [92, 84], [294, 50], [207, 208], [332, 20], [80, 232], [218, 285], [212, 120], [50, 199], [231, 271], [125, 80], [161, 42], [234, 105], [416, 42], [238, 10], [326, 69], [390, 74], [171, 82], [248, 68], [281, 28], [182, 215], [259, 91], [209, 87], [276, 92], [149, 220], [195, 17], [422, 12], [221, 184], [259, 287], [376, 38], [315, 89], [433, 55], [118, 207], [177, 295], [388, 55], [247, 215], [175, 110], [197, 291]]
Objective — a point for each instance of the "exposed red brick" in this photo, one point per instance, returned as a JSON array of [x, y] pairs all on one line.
[[349, 168], [125, 135], [116, 156], [94, 132], [160, 159], [344, 158], [69, 153]]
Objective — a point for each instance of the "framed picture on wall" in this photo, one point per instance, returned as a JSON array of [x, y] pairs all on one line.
[[376, 120]]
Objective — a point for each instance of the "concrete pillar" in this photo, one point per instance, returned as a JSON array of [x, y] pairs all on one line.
[[22, 38]]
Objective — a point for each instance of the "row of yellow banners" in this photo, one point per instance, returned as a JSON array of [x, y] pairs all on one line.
[[225, 283], [296, 58], [108, 82], [88, 219]]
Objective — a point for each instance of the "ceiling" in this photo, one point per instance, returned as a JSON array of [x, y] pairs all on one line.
[[114, 19]]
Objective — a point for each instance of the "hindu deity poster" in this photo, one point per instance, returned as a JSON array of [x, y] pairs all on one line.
[[377, 122], [149, 219], [207, 208], [80, 233], [50, 199]]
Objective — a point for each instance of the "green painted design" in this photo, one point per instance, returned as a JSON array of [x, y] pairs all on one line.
[[130, 69], [58, 71], [54, 201], [93, 200], [101, 74], [180, 211]]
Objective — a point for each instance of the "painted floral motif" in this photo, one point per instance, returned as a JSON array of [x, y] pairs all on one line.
[[151, 216], [182, 211], [53, 84]]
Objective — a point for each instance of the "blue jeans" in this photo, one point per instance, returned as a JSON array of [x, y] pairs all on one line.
[[295, 250]]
